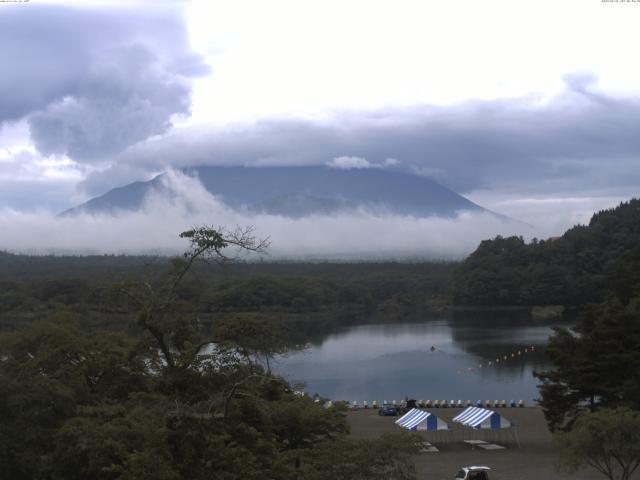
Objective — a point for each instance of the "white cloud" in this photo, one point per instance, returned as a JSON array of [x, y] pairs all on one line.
[[348, 163], [32, 181], [550, 215], [291, 57]]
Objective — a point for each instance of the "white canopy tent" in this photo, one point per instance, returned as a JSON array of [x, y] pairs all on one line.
[[416, 419], [476, 417], [425, 422], [486, 420]]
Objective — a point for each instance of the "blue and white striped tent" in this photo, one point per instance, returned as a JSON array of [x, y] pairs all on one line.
[[476, 417], [416, 419]]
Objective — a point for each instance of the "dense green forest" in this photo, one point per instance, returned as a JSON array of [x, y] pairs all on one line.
[[309, 296], [583, 266]]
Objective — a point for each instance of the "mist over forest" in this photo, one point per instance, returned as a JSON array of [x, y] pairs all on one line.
[[361, 233]]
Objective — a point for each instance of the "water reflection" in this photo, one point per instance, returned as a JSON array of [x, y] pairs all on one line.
[[393, 360]]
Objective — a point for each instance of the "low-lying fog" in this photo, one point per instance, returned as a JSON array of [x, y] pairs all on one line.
[[363, 234]]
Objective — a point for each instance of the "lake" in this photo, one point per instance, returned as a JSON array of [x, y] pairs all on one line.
[[443, 359]]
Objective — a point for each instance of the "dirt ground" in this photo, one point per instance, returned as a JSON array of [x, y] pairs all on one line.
[[533, 460]]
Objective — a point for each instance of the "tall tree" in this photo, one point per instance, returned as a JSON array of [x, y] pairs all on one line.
[[595, 364], [177, 336], [607, 440], [377, 459], [49, 373]]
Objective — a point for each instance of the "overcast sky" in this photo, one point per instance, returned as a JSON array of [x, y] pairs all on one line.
[[529, 108]]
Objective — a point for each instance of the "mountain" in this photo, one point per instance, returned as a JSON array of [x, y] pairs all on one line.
[[299, 191]]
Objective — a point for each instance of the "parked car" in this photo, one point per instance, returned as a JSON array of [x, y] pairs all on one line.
[[388, 410], [474, 472]]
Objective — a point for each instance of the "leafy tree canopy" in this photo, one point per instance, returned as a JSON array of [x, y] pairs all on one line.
[[607, 440], [596, 363]]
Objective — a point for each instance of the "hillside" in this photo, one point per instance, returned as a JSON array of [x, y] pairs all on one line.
[[583, 266], [299, 191]]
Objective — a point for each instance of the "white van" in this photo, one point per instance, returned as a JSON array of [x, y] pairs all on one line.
[[474, 472]]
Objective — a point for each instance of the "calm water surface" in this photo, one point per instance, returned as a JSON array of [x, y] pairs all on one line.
[[391, 361]]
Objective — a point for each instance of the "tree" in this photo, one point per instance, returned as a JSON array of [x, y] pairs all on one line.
[[607, 440], [596, 363], [253, 337], [378, 459], [299, 422], [178, 337], [49, 373], [625, 275], [124, 440]]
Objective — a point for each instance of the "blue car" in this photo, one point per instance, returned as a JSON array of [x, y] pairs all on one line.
[[388, 410]]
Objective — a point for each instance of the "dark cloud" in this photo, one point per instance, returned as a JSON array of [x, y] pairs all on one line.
[[93, 81], [118, 103], [582, 140]]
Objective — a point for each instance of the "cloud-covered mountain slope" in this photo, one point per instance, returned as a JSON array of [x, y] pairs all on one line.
[[300, 191]]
